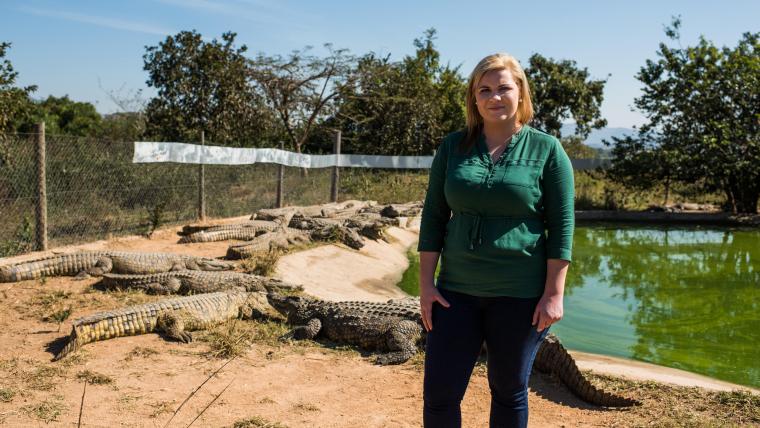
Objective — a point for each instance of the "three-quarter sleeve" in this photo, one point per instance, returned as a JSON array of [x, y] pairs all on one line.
[[436, 211], [559, 198]]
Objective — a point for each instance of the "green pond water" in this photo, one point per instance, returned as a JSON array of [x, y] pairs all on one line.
[[681, 297]]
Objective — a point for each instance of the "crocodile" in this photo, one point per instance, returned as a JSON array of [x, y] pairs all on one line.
[[394, 328], [284, 238], [368, 226], [97, 263], [383, 327], [242, 232], [340, 209], [190, 229], [173, 318], [410, 209], [281, 239], [195, 282]]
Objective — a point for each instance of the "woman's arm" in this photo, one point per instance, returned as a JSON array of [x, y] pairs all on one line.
[[559, 199], [435, 215], [550, 308], [428, 293]]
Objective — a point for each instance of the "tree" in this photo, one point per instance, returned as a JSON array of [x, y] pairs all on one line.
[[575, 148], [560, 91], [14, 101], [203, 86], [640, 162], [63, 116], [301, 89], [702, 106], [403, 107]]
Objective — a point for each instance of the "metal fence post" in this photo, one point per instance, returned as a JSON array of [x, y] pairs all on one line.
[[202, 182], [335, 174], [280, 178], [42, 242]]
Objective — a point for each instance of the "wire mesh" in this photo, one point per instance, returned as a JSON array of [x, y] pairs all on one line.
[[94, 191]]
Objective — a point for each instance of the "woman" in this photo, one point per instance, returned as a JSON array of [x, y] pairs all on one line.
[[499, 213]]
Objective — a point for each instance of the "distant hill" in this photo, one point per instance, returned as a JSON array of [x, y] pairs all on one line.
[[595, 138]]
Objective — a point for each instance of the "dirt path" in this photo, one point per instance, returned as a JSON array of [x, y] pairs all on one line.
[[140, 381]]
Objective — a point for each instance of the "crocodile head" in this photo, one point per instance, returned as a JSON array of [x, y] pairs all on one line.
[[286, 305], [213, 264]]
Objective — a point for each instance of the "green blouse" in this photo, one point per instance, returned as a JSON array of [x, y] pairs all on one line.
[[496, 223]]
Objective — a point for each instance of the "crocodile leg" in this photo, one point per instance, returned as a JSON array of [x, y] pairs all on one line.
[[172, 325], [308, 331], [402, 342], [103, 265], [169, 286]]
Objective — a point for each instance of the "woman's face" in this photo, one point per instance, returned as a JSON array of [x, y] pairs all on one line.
[[497, 96]]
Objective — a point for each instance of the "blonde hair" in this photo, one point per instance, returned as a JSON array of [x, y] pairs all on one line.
[[499, 61]]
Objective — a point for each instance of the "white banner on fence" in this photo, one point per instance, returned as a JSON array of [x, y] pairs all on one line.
[[147, 152]]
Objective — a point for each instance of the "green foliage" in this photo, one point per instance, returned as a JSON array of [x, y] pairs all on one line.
[[156, 216], [203, 86], [701, 102], [21, 242], [62, 116], [560, 91], [14, 102], [401, 108], [575, 148]]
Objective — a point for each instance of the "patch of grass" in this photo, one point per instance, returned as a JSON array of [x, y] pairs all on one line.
[[58, 316], [269, 332], [76, 359], [10, 365], [229, 339], [46, 411], [43, 378], [256, 422], [306, 406], [50, 306], [95, 378], [674, 406], [140, 352], [262, 263], [160, 407], [53, 298], [7, 394], [128, 401]]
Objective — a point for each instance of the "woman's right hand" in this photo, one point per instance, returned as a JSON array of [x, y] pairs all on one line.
[[428, 296]]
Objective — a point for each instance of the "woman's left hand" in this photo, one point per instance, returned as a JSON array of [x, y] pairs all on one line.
[[548, 311]]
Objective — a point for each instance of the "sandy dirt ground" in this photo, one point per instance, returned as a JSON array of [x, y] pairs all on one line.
[[296, 385]]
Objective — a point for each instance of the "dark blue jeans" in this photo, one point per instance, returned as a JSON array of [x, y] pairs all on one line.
[[452, 349]]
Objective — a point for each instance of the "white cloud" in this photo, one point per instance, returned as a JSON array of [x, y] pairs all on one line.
[[117, 24], [262, 11]]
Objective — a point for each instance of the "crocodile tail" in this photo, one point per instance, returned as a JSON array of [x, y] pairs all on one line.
[[552, 357], [72, 344], [62, 264]]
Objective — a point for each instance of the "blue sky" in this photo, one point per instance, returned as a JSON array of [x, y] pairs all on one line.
[[85, 48]]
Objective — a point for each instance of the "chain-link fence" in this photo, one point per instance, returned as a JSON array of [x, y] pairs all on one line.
[[94, 191]]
